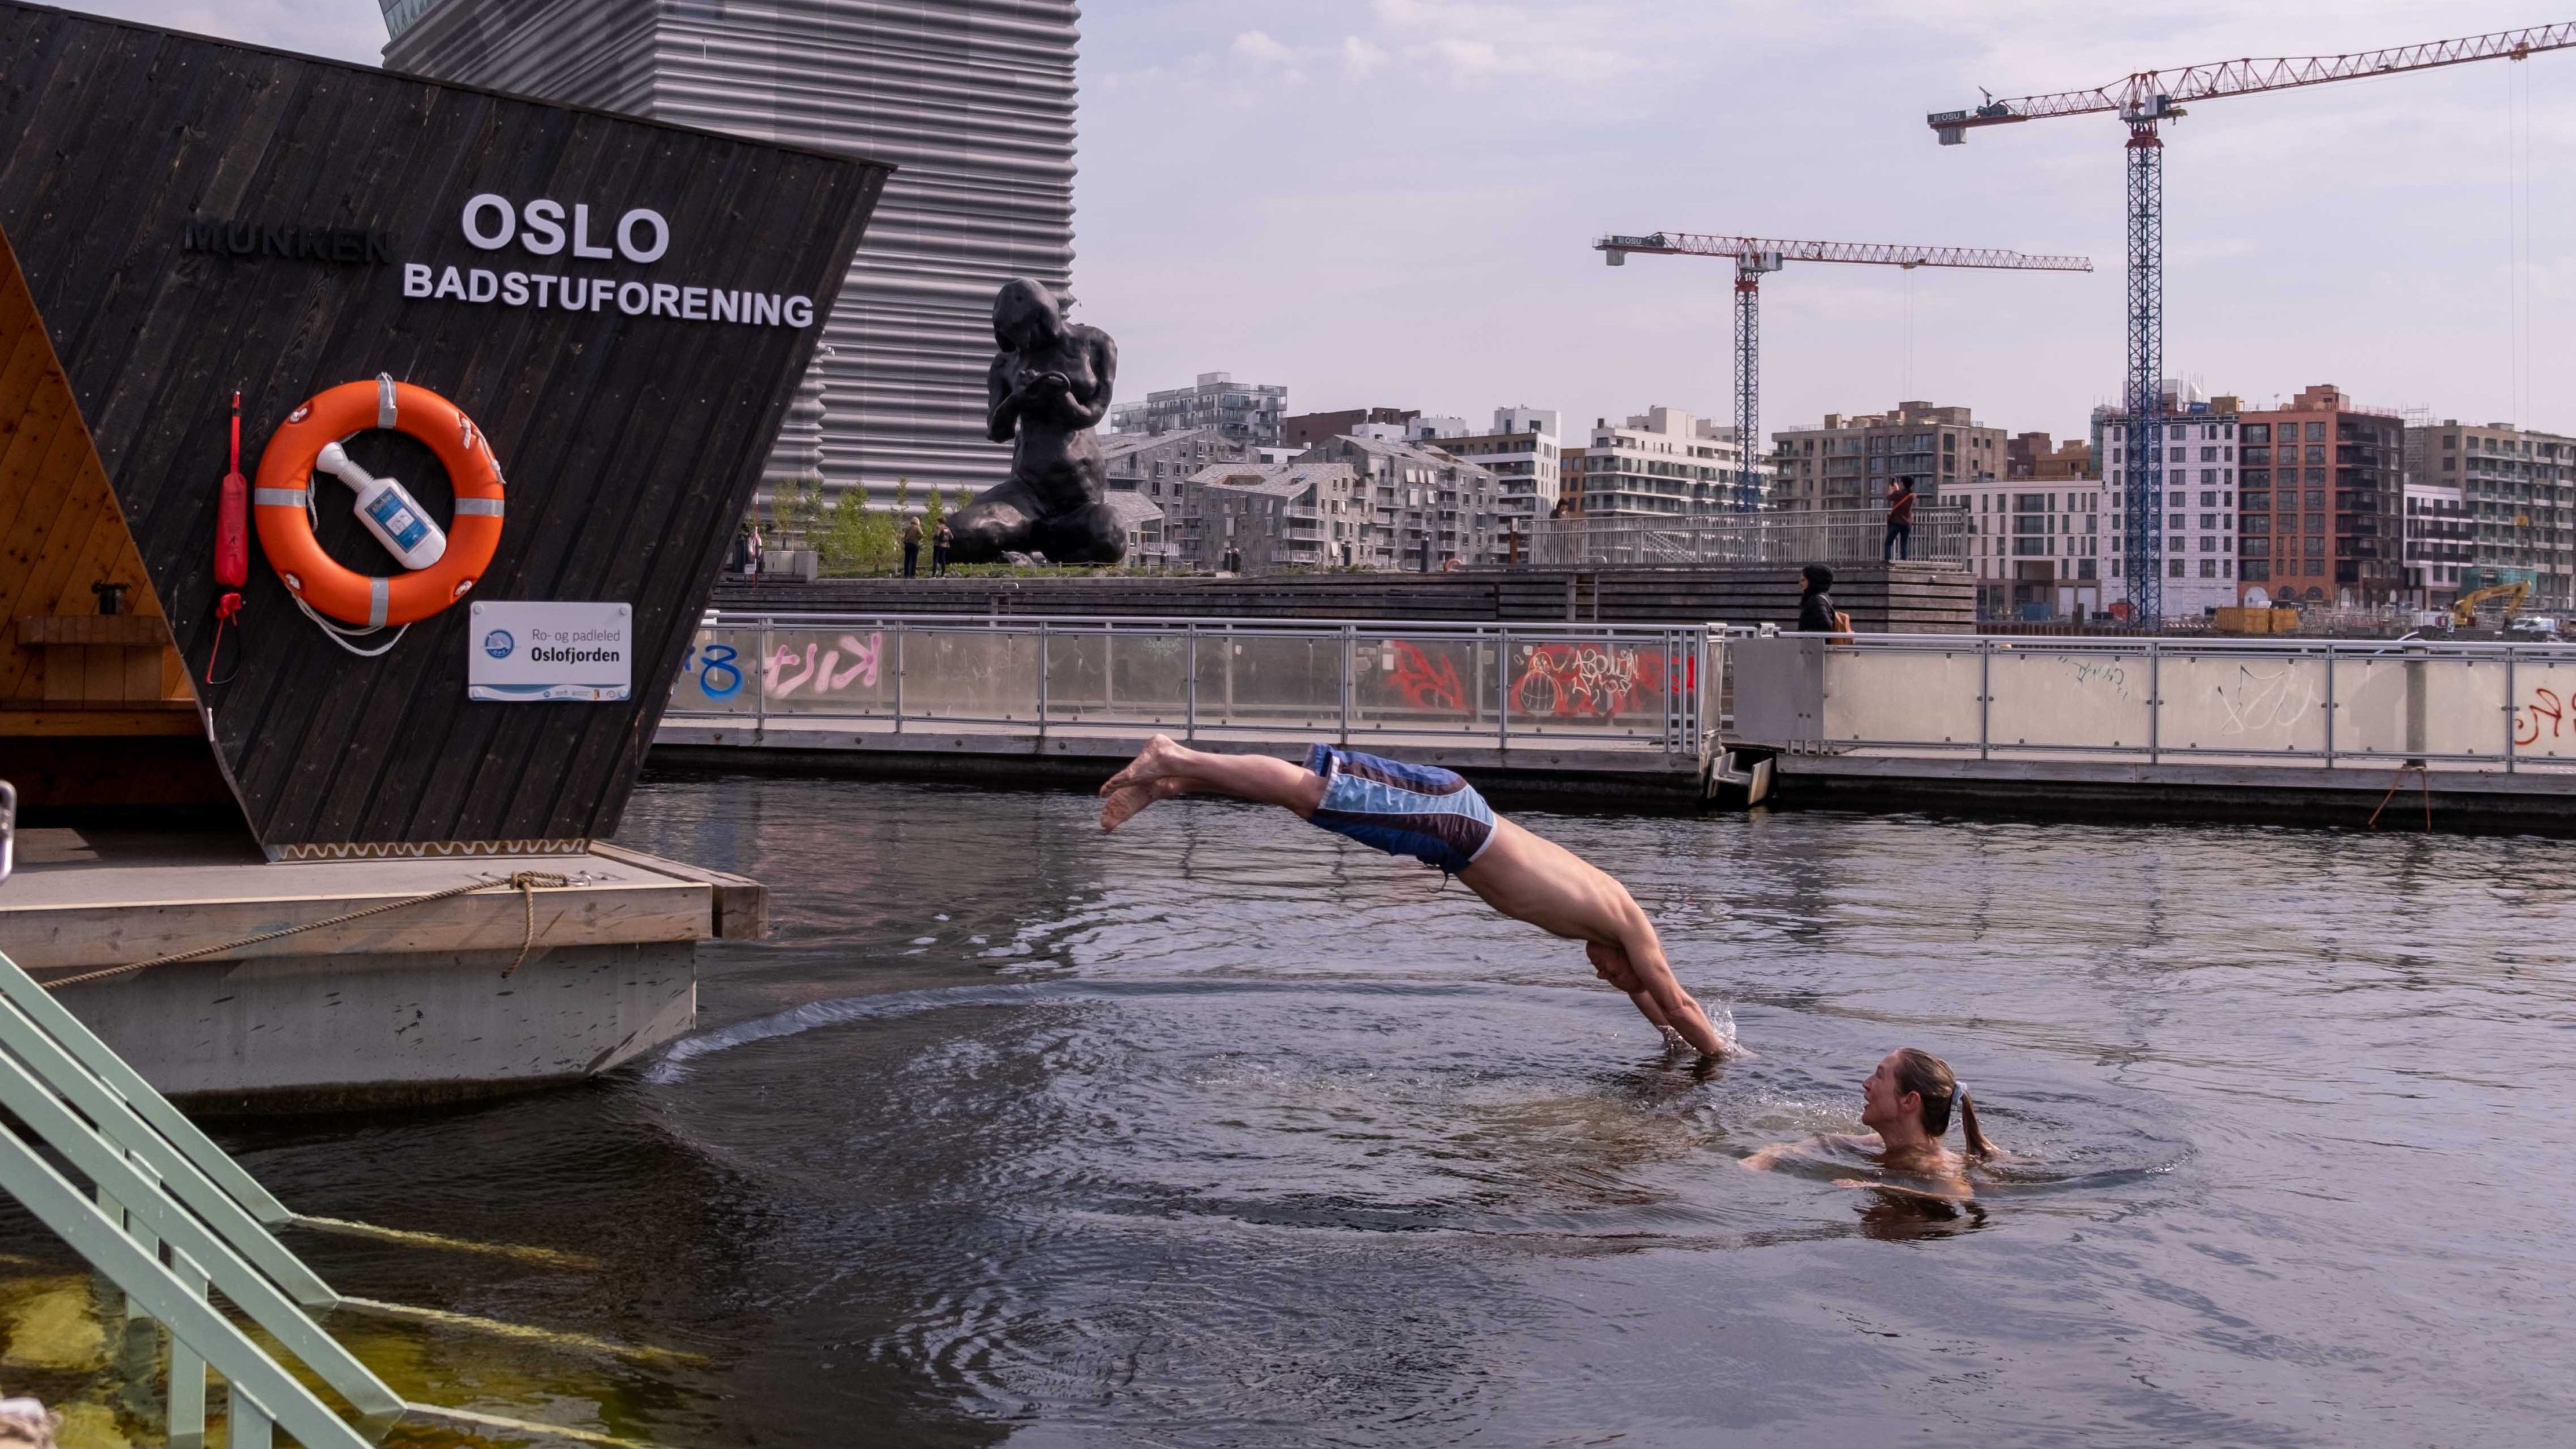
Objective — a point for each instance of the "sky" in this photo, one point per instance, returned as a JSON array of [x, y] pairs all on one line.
[[1392, 202]]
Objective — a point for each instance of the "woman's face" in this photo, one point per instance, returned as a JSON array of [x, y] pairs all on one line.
[[1034, 329], [1882, 1101]]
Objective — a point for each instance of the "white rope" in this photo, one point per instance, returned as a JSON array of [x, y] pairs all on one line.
[[341, 637], [336, 634]]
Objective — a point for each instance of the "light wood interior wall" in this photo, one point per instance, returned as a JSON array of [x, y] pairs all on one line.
[[60, 532]]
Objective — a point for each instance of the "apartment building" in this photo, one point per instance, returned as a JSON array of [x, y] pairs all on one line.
[[1241, 412], [1524, 454], [973, 103], [1141, 520], [1422, 506], [2193, 524], [2440, 543], [2038, 545], [1662, 463], [2517, 498], [2036, 455], [1305, 430], [1154, 464], [1848, 461], [2324, 501], [1268, 517]]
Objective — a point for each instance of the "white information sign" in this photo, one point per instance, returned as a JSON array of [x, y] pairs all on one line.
[[520, 651]]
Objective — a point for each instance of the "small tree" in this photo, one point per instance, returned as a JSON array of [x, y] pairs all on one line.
[[934, 509], [857, 539]]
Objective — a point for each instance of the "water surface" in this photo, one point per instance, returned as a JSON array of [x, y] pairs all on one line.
[[1225, 1131]]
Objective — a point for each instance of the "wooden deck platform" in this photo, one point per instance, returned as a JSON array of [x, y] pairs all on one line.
[[420, 1002]]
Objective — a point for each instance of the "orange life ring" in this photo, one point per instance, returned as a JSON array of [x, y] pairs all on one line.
[[279, 502]]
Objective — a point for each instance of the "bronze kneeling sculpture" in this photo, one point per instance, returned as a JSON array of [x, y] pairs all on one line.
[[1049, 388]]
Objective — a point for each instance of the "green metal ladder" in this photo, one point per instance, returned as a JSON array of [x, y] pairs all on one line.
[[170, 1215]]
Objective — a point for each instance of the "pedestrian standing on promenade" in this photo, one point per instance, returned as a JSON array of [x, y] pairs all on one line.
[[751, 553], [1816, 611], [1899, 542], [939, 543], [911, 546]]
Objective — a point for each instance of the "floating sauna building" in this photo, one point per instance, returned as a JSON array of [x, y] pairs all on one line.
[[972, 100]]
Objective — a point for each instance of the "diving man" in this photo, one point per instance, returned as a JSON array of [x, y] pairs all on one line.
[[1434, 816]]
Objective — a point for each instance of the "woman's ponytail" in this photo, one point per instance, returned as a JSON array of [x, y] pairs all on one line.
[[1978, 1147]]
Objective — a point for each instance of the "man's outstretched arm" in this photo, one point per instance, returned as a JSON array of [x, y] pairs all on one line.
[[1531, 878]]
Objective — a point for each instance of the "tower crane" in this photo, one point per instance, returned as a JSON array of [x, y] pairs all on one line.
[[1756, 255], [2145, 102]]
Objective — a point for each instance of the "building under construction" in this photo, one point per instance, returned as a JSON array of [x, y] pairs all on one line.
[[973, 102]]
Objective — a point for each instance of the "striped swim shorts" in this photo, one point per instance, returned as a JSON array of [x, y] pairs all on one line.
[[1418, 810]]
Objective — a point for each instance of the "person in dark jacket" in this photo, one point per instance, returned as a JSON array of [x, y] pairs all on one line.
[[1899, 542], [1816, 605]]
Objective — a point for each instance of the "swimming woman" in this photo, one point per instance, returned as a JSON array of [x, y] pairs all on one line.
[[1434, 816], [1906, 1105]]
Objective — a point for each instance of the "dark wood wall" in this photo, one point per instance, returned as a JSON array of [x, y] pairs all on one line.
[[631, 443]]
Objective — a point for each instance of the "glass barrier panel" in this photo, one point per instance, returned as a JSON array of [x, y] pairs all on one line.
[[826, 671], [1570, 686], [1117, 676], [2544, 706], [2399, 703], [719, 674], [1440, 684], [1896, 695], [970, 674], [1277, 681], [2245, 702], [2070, 699]]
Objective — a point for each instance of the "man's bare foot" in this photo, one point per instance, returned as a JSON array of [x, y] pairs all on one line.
[[1159, 758], [1123, 804]]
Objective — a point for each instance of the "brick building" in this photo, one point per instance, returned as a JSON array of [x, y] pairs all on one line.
[[2323, 500], [1848, 461]]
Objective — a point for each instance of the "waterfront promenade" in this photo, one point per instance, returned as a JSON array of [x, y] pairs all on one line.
[[2312, 730]]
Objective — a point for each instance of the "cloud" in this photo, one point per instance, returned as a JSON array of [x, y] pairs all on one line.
[[1257, 46], [1477, 41], [1359, 58]]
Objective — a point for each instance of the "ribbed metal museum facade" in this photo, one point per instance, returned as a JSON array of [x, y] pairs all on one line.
[[972, 100]]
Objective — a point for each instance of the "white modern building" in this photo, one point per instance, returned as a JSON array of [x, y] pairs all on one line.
[[2037, 546], [2192, 530], [1525, 456], [1661, 463], [2441, 541], [973, 102]]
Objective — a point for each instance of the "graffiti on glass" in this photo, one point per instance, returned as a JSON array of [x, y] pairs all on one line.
[[719, 677], [821, 672], [1571, 680], [2545, 705], [1424, 681], [2258, 701]]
